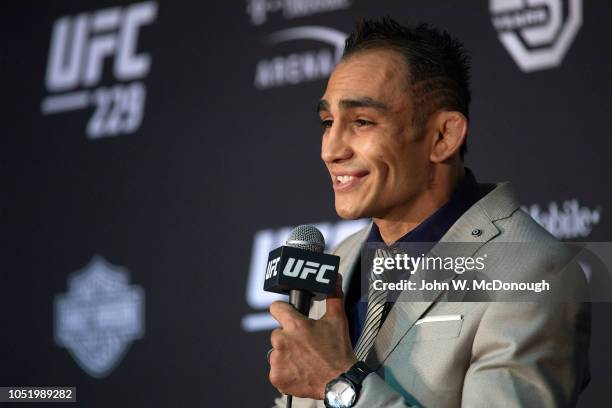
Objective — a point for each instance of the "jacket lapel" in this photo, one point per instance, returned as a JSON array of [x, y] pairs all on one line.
[[349, 254], [410, 306]]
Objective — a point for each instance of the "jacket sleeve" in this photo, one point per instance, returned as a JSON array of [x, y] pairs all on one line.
[[375, 393], [280, 402]]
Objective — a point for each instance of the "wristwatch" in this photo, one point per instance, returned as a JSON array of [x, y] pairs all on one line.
[[342, 392]]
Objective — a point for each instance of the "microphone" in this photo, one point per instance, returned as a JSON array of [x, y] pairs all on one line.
[[302, 270]]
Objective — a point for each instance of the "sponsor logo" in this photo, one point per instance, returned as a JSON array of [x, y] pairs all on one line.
[[79, 50], [264, 242], [99, 316], [567, 220], [536, 33], [297, 67], [259, 10]]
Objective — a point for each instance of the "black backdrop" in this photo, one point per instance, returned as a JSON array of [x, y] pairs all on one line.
[[218, 168]]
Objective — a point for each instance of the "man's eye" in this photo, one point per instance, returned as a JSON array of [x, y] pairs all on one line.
[[363, 122], [326, 124]]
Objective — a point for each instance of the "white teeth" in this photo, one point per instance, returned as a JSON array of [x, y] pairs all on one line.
[[344, 179]]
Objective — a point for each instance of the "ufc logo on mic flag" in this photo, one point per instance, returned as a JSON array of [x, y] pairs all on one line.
[[271, 271], [296, 268], [311, 267]]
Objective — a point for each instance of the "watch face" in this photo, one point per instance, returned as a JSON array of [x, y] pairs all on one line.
[[340, 394]]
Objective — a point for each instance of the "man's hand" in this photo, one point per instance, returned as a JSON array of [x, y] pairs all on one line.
[[309, 353]]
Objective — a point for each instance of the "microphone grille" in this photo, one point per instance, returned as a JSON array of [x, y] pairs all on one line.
[[306, 237]]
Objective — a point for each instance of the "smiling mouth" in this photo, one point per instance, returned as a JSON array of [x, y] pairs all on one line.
[[347, 182]]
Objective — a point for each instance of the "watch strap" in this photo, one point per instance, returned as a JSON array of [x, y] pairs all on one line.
[[357, 373]]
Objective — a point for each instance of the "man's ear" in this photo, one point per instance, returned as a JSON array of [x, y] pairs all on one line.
[[451, 130]]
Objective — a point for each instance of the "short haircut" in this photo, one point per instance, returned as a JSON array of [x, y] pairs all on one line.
[[438, 64]]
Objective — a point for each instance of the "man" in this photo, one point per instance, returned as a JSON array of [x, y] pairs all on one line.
[[395, 122]]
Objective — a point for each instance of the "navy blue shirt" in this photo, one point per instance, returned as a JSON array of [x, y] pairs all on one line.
[[431, 230]]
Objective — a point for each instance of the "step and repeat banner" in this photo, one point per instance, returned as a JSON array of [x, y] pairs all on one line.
[[154, 152]]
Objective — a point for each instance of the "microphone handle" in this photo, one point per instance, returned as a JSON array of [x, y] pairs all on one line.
[[300, 299]]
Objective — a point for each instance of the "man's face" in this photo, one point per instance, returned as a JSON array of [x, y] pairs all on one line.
[[377, 161]]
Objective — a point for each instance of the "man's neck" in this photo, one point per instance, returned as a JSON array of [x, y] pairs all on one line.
[[399, 223]]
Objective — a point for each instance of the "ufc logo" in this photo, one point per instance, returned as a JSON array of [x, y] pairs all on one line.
[[80, 44], [294, 269], [271, 271]]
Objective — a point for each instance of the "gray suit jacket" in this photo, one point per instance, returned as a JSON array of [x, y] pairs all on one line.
[[497, 354]]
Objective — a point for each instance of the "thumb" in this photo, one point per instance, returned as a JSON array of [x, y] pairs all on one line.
[[334, 304]]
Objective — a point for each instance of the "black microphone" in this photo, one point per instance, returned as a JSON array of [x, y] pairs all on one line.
[[301, 270]]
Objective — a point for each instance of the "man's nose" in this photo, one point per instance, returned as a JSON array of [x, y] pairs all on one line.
[[334, 145]]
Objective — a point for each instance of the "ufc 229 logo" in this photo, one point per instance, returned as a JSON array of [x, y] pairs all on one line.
[[81, 47]]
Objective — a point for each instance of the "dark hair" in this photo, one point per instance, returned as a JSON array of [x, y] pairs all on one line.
[[438, 64]]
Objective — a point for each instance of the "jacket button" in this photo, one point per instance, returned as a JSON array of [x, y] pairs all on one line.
[[476, 232]]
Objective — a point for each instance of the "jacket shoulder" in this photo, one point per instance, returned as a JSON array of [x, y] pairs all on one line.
[[521, 227], [349, 243]]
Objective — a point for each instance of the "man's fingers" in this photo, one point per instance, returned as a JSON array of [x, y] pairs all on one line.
[[286, 315], [277, 340], [335, 303]]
